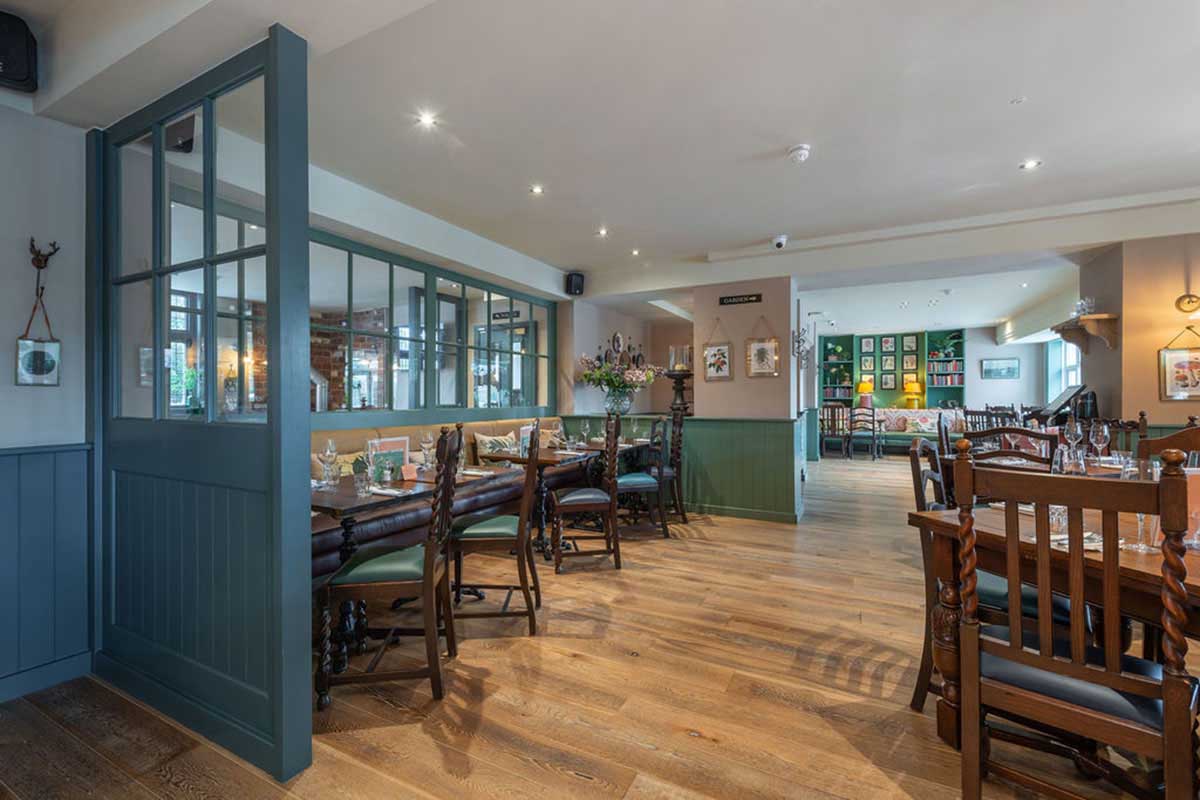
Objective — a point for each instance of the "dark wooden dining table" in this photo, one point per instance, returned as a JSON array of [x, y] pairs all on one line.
[[345, 506], [1140, 584]]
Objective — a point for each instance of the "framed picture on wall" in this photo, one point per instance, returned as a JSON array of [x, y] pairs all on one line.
[[1179, 373], [762, 357], [887, 344], [908, 343], [887, 380], [866, 363], [867, 344], [908, 362], [38, 362], [718, 363], [867, 379], [887, 363], [1000, 369], [909, 377]]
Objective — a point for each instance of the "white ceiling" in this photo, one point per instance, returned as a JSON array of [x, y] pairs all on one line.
[[668, 121], [952, 302]]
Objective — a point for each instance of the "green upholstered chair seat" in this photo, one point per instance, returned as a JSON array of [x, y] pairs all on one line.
[[395, 565], [631, 481], [993, 592], [668, 472], [583, 497], [487, 528], [1142, 710]]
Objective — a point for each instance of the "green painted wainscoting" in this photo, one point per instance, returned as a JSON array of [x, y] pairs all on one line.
[[752, 468]]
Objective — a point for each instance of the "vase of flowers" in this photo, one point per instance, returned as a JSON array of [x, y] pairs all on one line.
[[620, 382]]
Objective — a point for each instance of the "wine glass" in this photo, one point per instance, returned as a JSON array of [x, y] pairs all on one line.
[[426, 449], [327, 458], [1073, 431], [1193, 460], [585, 430], [1100, 437], [1142, 546], [1193, 541]]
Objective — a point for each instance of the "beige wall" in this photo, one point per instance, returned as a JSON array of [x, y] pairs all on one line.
[[1156, 271], [582, 327], [664, 334], [742, 396]]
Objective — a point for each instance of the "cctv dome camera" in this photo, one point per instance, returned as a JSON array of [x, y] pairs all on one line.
[[780, 242]]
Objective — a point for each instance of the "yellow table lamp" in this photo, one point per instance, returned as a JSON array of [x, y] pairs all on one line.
[[865, 390], [913, 390]]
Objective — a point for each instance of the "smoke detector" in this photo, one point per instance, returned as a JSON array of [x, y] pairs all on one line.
[[799, 153]]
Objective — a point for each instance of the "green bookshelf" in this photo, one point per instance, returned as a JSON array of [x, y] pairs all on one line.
[[837, 369], [945, 371]]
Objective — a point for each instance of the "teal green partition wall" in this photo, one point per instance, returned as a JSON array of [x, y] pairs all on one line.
[[751, 468], [205, 590]]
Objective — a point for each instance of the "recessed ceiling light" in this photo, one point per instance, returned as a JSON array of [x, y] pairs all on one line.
[[1030, 164], [427, 119], [537, 189], [253, 227], [904, 304], [1016, 101], [1024, 285], [634, 252], [602, 232]]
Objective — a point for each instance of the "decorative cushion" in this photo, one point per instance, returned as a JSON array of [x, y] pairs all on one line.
[[345, 459], [582, 496], [993, 592], [396, 565], [488, 528], [494, 444], [1142, 710], [550, 439], [631, 481]]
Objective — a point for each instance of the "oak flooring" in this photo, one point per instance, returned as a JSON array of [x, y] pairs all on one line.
[[739, 660]]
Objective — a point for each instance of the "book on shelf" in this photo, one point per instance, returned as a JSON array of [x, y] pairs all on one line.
[[944, 367], [937, 380]]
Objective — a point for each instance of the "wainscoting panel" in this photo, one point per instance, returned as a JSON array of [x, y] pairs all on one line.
[[44, 567], [749, 468]]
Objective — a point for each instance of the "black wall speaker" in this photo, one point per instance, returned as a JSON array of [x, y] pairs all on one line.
[[575, 283], [18, 55]]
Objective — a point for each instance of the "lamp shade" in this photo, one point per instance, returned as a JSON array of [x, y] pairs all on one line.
[[865, 387], [912, 387]]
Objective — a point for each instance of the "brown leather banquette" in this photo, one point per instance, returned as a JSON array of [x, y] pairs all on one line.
[[405, 524]]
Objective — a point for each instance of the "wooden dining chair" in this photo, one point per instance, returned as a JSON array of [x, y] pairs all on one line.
[[834, 421], [387, 573], [673, 471], [863, 426], [943, 433], [1093, 693], [653, 481], [1187, 440], [1033, 446], [977, 420], [600, 502], [929, 478], [499, 535], [1124, 434]]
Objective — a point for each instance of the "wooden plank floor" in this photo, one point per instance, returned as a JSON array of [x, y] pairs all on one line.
[[737, 660]]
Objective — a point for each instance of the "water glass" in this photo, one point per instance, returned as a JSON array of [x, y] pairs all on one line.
[[1058, 520], [362, 484], [1145, 525], [1074, 463], [1193, 459], [1058, 463], [331, 474], [1193, 541], [585, 430]]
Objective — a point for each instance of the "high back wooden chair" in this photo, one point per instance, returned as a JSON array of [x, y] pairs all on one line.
[[863, 426], [415, 571], [943, 433], [653, 481], [834, 422], [499, 535], [977, 420], [1094, 693], [673, 471], [601, 502], [1010, 442], [1186, 440]]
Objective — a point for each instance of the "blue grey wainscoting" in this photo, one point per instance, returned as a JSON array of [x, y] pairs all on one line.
[[45, 592]]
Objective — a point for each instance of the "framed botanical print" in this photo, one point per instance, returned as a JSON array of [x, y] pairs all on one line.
[[908, 362], [887, 344], [1179, 373], [866, 363], [867, 344], [909, 377], [887, 363], [908, 343], [718, 364], [762, 357], [887, 380]]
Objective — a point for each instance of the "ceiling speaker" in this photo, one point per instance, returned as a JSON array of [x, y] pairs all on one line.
[[18, 55], [574, 283]]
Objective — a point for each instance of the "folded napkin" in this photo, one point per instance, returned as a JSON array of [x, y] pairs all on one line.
[[392, 492]]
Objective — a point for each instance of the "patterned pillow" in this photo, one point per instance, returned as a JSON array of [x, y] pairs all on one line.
[[494, 444], [345, 459]]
